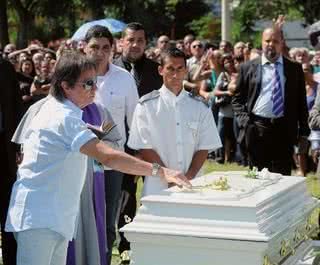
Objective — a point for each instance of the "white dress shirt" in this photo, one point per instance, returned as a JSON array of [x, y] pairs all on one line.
[[175, 127], [222, 81], [117, 92], [52, 174], [192, 61], [263, 105]]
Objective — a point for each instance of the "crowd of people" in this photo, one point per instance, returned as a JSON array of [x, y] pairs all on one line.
[[174, 105]]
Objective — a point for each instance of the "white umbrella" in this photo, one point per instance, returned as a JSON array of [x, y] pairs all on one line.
[[113, 25]]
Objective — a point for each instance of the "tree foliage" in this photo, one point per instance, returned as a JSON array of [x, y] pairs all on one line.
[[243, 22], [207, 27], [249, 11], [47, 20], [4, 35], [309, 8], [40, 19]]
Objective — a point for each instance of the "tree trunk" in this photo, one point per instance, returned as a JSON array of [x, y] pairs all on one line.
[[4, 35], [97, 13], [26, 22], [25, 30], [173, 30]]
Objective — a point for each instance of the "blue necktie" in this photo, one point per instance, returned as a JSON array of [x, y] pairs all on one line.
[[277, 97]]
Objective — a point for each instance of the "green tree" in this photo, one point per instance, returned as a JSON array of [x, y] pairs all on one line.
[[48, 19], [37, 18], [244, 17], [207, 27], [182, 12], [249, 11], [169, 17], [310, 10]]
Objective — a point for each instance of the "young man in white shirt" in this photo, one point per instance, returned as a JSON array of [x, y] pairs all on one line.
[[117, 92], [172, 127]]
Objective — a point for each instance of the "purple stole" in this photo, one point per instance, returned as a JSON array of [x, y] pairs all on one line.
[[91, 115]]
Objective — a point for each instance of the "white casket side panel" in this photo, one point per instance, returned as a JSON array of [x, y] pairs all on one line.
[[267, 220]]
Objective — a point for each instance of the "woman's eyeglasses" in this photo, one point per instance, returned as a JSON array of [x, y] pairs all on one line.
[[89, 84]]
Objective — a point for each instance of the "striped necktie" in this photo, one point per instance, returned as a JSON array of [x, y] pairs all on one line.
[[277, 97]]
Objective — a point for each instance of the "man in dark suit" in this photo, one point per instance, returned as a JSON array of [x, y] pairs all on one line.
[[270, 106], [133, 59], [147, 78], [10, 111]]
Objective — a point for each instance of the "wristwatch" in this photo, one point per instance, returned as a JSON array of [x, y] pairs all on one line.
[[155, 169]]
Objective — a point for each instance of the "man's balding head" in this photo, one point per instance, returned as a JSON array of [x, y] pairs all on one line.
[[271, 44], [238, 50], [163, 42], [272, 31]]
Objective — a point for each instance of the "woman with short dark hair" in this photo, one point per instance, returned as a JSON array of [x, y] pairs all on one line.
[[25, 76]]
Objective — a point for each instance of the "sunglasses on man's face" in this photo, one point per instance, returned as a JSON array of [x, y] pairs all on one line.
[[197, 46], [89, 84]]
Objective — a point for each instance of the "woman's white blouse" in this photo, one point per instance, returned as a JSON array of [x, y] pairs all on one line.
[[51, 176]]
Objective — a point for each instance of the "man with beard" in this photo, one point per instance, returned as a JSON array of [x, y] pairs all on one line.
[[270, 106], [133, 59]]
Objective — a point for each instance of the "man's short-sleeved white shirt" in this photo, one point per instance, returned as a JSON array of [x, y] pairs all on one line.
[[117, 92], [175, 127], [52, 174]]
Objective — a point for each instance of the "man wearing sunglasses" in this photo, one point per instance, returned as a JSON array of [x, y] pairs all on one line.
[[116, 92], [197, 50]]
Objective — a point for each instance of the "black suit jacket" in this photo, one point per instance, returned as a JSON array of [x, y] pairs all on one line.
[[147, 71], [295, 105], [11, 107]]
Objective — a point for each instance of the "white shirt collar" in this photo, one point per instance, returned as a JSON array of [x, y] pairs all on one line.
[[264, 60], [73, 107], [166, 92], [111, 69]]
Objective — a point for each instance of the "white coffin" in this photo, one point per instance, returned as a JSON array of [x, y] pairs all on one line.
[[256, 221]]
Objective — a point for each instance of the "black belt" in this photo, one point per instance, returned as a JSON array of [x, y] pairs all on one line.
[[267, 121]]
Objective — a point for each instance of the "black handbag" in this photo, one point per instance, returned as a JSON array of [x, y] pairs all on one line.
[[223, 101]]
